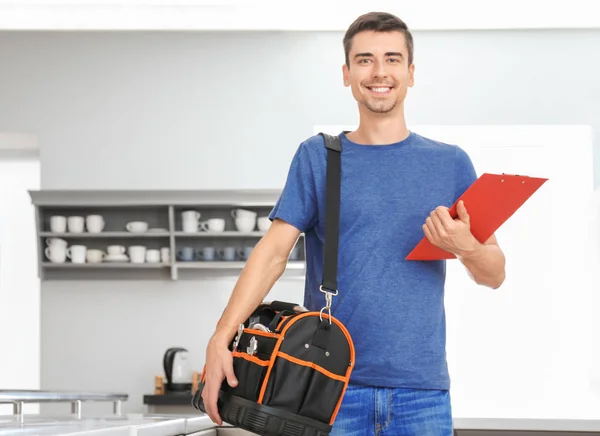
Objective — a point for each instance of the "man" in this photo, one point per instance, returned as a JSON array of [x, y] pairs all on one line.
[[396, 187]]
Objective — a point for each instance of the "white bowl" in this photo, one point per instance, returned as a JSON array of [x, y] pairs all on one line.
[[137, 226]]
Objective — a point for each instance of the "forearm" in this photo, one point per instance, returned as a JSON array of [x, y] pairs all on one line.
[[263, 268], [486, 265]]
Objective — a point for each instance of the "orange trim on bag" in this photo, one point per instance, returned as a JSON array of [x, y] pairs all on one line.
[[283, 318], [337, 407], [260, 333], [312, 365], [278, 346], [350, 366], [252, 359]]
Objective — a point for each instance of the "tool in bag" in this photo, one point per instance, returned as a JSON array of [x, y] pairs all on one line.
[[292, 365]]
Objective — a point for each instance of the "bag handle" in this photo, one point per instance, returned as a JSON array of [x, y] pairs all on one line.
[[332, 219]]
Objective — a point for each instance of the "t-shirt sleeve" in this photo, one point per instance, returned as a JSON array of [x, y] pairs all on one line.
[[465, 174], [297, 204]]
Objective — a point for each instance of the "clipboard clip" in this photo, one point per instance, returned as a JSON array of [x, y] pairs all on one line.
[[515, 175]]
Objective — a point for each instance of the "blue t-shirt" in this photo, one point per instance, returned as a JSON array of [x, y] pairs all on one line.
[[393, 308]]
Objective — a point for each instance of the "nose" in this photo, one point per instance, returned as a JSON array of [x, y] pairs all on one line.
[[379, 70]]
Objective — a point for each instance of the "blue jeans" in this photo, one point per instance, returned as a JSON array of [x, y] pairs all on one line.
[[372, 411]]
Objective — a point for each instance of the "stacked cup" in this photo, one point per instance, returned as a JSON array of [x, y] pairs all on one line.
[[56, 250], [245, 220]]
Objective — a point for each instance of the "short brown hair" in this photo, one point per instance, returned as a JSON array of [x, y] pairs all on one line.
[[379, 22]]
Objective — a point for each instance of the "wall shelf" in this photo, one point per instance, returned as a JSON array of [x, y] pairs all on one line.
[[103, 265], [225, 234], [87, 235], [292, 265], [162, 210]]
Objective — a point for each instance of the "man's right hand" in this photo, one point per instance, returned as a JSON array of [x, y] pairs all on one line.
[[219, 365]]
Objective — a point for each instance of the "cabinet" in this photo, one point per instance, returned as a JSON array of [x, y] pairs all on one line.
[[181, 250]]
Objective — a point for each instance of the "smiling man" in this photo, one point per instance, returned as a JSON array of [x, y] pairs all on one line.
[[396, 187]]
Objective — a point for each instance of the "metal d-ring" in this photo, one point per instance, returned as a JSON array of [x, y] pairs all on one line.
[[321, 313], [328, 299]]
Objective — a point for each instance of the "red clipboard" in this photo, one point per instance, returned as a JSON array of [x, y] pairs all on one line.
[[490, 201]]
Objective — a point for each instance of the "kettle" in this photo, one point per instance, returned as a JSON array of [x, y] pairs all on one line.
[[177, 369]]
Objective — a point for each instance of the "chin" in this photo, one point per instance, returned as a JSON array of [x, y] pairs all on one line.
[[380, 107]]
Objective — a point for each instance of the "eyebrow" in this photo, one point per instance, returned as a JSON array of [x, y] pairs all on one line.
[[389, 53]]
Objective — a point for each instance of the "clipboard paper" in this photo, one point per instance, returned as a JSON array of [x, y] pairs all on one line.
[[490, 202]]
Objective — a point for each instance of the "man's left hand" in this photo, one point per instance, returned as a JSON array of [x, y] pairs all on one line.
[[452, 235]]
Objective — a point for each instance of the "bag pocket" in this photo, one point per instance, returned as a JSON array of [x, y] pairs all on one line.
[[250, 372], [287, 385], [322, 396]]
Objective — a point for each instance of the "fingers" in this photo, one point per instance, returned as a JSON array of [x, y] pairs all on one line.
[[428, 232], [443, 214], [231, 379], [436, 222], [430, 227], [461, 210], [223, 368], [210, 394]]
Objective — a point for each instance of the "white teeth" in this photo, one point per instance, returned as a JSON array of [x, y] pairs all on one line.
[[380, 89]]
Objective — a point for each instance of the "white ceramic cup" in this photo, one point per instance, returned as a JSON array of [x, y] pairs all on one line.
[[115, 250], [94, 256], [136, 226], [165, 255], [213, 225], [243, 213], [190, 221], [263, 223], [245, 224], [58, 224], [56, 241], [76, 224], [94, 223], [137, 253], [56, 253], [77, 253], [153, 256]]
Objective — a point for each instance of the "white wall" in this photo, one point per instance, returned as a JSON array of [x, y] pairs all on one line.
[[314, 15], [19, 286]]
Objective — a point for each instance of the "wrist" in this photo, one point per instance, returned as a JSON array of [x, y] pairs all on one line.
[[221, 337], [472, 252]]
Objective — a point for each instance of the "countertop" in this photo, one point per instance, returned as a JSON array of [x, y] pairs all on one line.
[[125, 425], [183, 424], [528, 424]]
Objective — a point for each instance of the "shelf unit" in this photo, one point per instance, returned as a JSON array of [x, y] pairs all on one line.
[[161, 209]]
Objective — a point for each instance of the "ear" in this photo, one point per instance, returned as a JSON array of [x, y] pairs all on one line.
[[411, 75], [345, 73]]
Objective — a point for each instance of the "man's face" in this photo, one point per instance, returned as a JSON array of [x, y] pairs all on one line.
[[379, 74]]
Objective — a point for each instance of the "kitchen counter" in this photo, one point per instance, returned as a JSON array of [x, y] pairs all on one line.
[[125, 425], [200, 425], [526, 426]]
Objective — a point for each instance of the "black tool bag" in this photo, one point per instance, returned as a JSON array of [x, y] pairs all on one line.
[[292, 365]]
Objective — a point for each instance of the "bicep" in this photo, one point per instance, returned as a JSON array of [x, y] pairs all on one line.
[[281, 238], [297, 204]]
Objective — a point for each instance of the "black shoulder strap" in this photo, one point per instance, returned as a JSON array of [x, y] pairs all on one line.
[[332, 211]]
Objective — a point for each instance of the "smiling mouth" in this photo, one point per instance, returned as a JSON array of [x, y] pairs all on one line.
[[379, 90]]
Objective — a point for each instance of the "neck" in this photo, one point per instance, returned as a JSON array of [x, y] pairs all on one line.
[[376, 128]]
